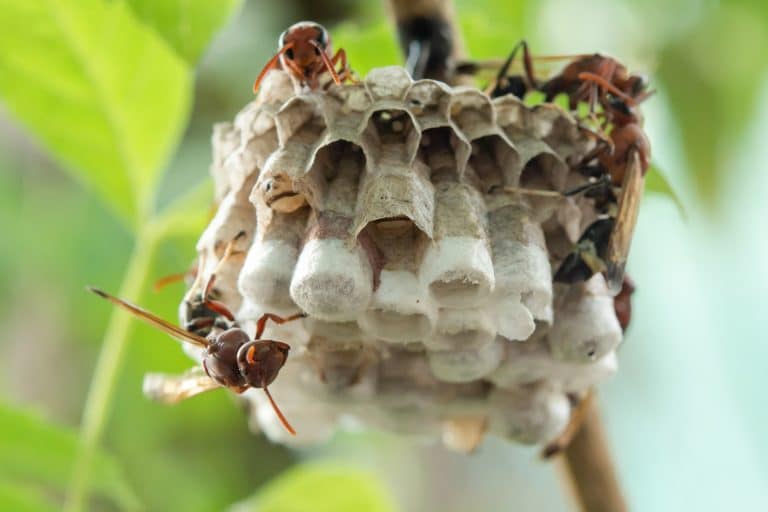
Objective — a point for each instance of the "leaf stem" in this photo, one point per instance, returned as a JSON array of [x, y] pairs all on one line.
[[101, 390]]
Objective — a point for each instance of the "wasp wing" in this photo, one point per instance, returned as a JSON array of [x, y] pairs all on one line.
[[626, 218], [153, 320], [171, 389]]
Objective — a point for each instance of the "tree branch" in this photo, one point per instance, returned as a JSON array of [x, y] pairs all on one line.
[[590, 468], [429, 37]]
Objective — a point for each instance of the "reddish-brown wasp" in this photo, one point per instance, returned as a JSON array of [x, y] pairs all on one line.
[[622, 158], [305, 51], [604, 246], [576, 80], [230, 359], [201, 310]]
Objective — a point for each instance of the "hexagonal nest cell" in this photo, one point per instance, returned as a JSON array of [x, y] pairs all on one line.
[[375, 208]]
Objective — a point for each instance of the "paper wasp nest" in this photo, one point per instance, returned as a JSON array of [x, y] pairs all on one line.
[[377, 208]]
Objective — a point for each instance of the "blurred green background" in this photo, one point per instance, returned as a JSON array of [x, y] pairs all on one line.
[[106, 110]]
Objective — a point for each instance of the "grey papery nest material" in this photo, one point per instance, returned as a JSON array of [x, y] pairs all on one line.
[[376, 208]]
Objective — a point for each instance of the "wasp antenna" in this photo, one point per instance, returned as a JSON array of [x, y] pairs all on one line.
[[152, 319], [605, 84], [554, 58], [270, 65], [279, 413], [98, 292], [327, 62], [229, 251], [644, 96], [533, 192], [169, 279]]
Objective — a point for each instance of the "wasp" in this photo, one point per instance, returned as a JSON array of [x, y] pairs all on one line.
[[231, 359], [621, 159], [305, 51], [576, 80], [517, 85], [604, 245], [201, 310]]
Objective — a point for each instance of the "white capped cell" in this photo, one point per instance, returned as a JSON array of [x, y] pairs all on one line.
[[530, 362], [462, 329], [466, 365], [530, 414], [585, 327], [458, 271], [521, 262], [400, 311], [332, 280]]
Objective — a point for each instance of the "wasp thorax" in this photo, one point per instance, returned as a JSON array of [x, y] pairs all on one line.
[[220, 360], [195, 316], [259, 361]]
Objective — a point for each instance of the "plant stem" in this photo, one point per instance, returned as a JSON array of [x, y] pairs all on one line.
[[590, 468], [101, 390]]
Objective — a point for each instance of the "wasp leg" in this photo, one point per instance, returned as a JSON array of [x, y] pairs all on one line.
[[262, 322]]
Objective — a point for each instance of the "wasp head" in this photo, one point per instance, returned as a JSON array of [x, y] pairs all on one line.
[[304, 41], [259, 361]]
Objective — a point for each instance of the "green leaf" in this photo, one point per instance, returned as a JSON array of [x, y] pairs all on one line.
[[485, 39], [101, 91], [322, 488], [367, 47], [187, 215], [714, 104], [33, 449], [23, 499], [186, 25], [656, 183]]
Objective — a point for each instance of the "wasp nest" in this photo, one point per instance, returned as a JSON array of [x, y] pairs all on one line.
[[379, 209]]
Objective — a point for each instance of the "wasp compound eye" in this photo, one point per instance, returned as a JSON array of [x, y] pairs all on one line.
[[260, 361], [322, 37]]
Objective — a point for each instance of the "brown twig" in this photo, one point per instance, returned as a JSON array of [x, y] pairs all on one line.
[[590, 468], [429, 37]]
